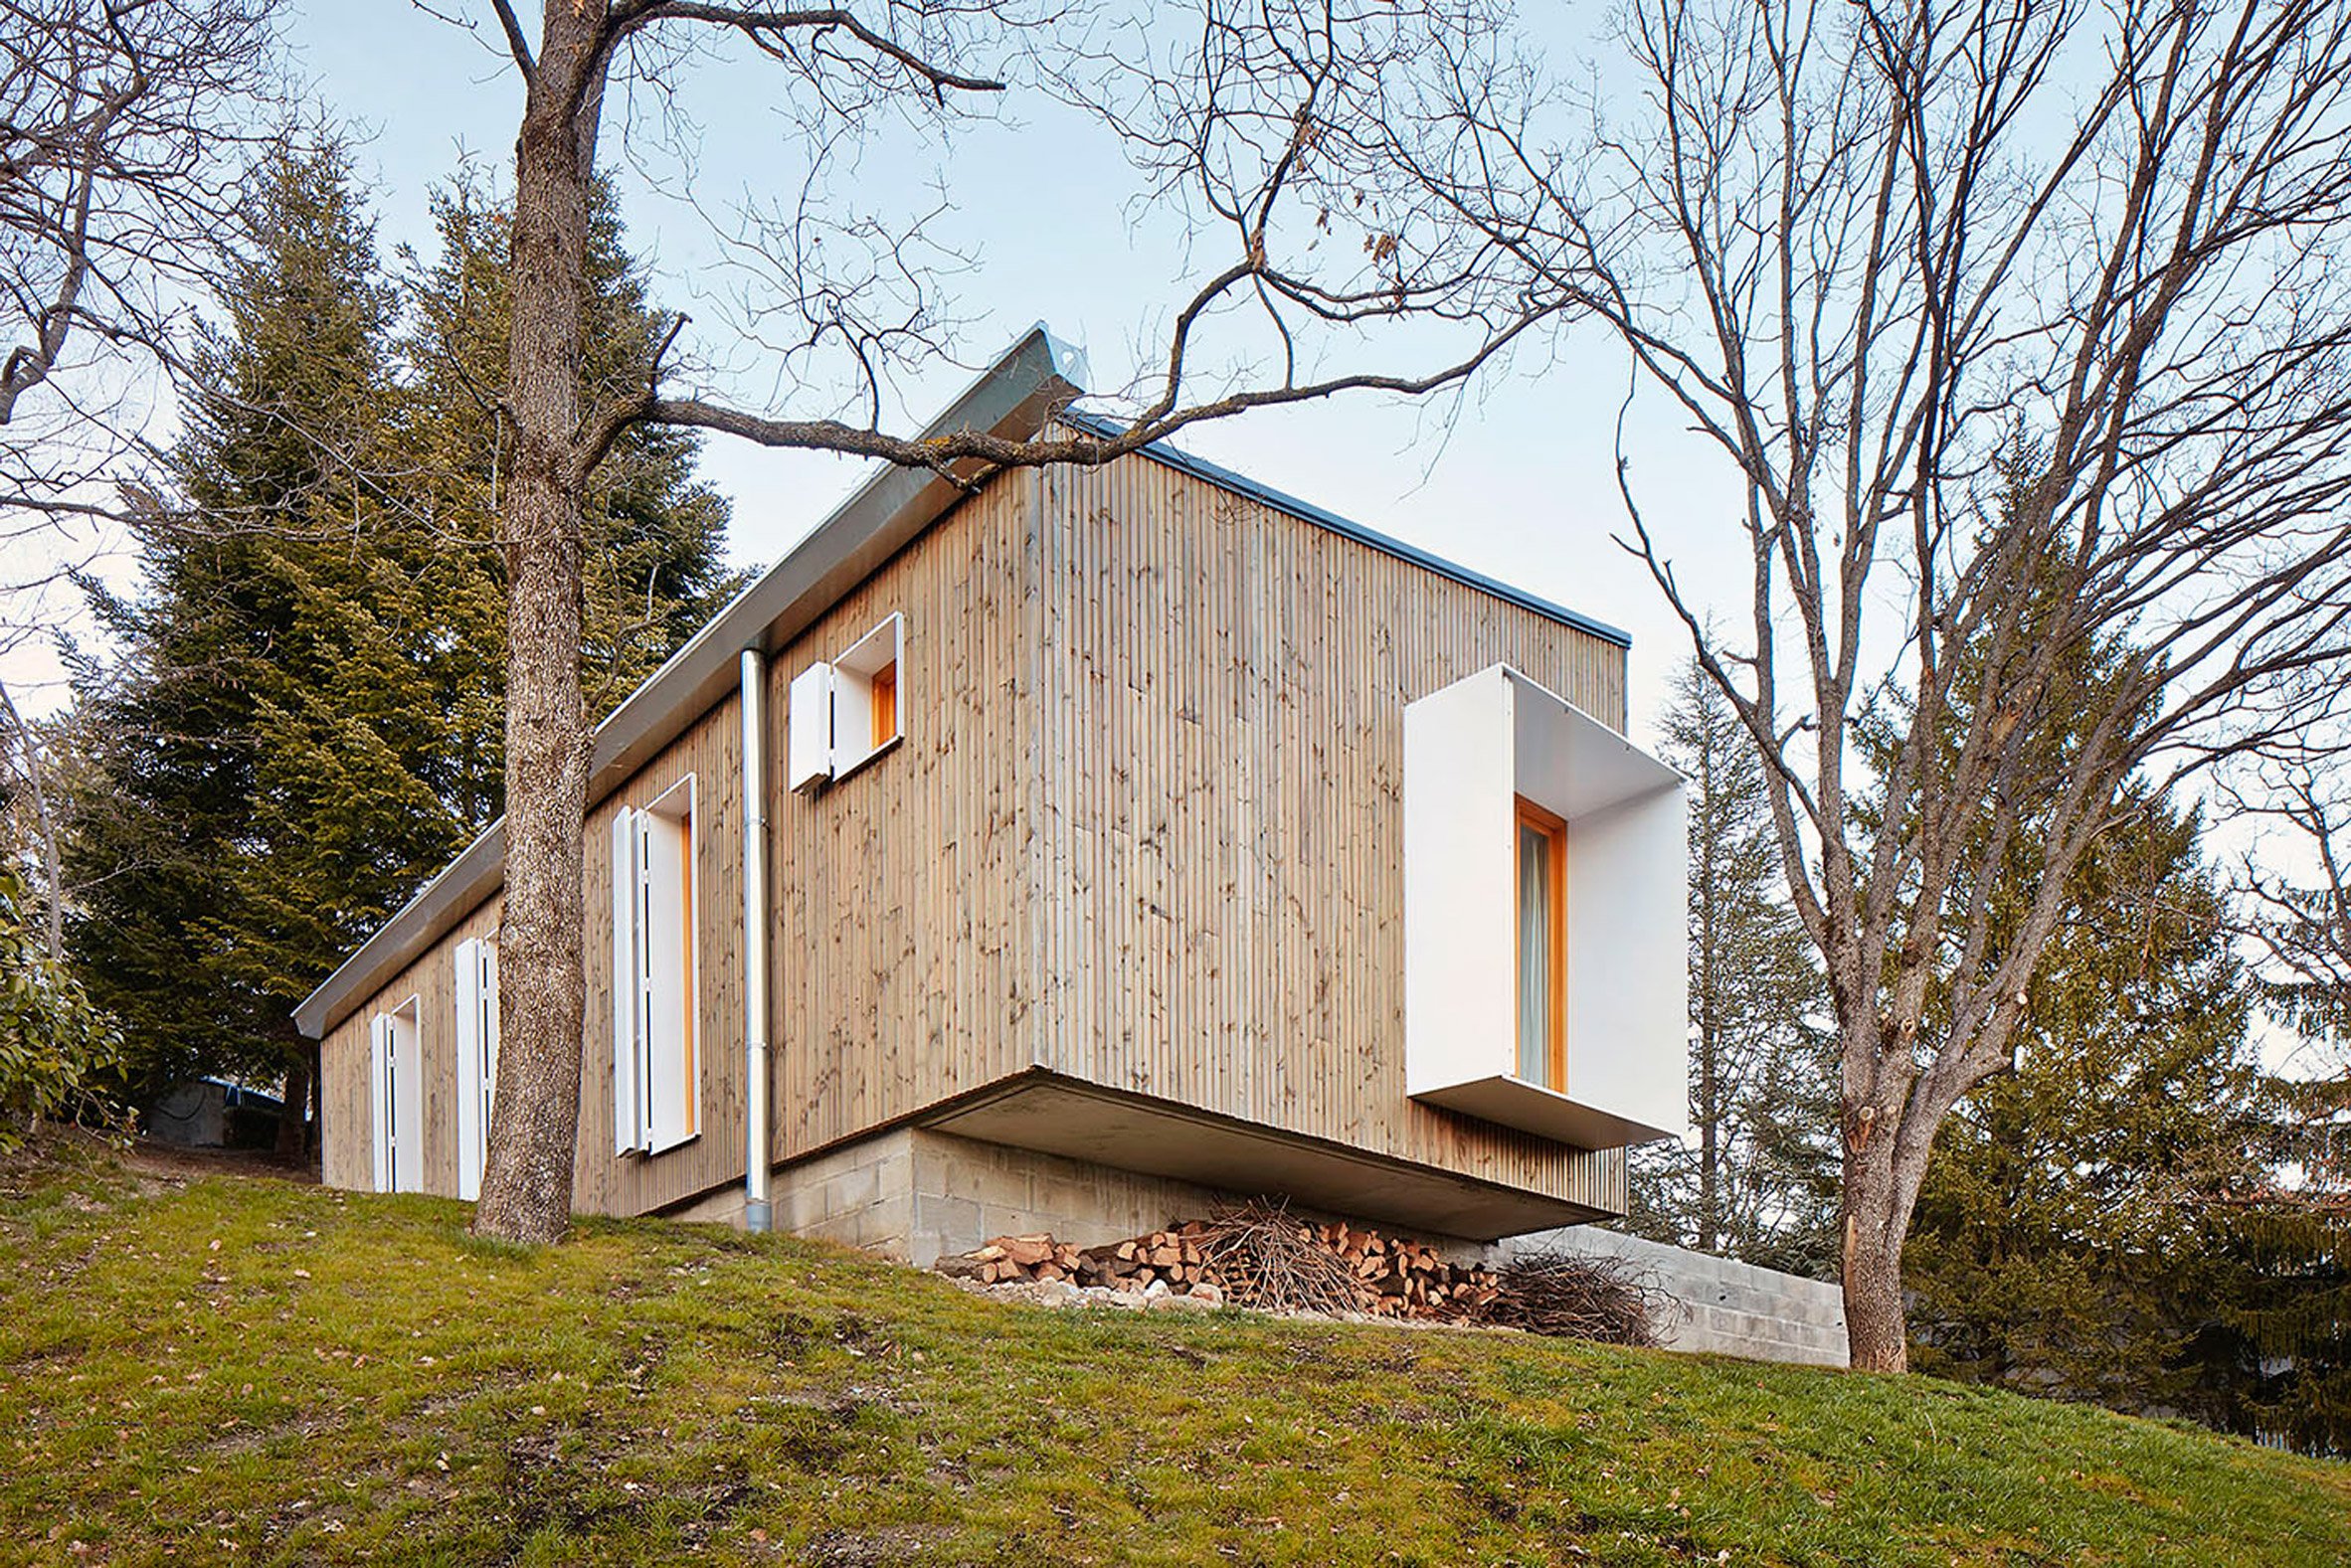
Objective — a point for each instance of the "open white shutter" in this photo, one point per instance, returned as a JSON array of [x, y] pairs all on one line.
[[489, 1045], [379, 1099], [665, 848], [469, 1127], [404, 1036], [627, 989], [808, 731]]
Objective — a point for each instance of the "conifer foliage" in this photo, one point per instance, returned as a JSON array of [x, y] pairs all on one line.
[[1757, 1177], [297, 719], [2063, 1241]]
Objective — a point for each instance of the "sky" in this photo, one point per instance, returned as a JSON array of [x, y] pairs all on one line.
[[1514, 479]]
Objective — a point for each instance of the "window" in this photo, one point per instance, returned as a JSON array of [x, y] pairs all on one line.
[[1541, 862], [395, 1080], [846, 713], [478, 1058], [657, 1044]]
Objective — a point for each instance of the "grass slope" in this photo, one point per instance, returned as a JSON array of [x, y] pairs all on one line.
[[237, 1371]]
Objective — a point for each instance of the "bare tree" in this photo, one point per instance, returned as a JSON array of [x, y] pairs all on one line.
[[2024, 329], [1268, 119], [2300, 919], [124, 127]]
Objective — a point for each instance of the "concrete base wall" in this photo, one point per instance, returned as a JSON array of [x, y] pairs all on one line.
[[1729, 1307], [918, 1197]]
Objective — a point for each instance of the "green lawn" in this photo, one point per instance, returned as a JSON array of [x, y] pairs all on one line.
[[237, 1370]]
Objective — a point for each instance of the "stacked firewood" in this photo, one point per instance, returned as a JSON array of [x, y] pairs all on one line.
[[1409, 1279], [1169, 1257], [1256, 1255]]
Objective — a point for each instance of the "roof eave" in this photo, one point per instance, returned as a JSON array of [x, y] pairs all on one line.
[[1387, 544]]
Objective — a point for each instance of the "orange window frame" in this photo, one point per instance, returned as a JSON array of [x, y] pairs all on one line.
[[885, 703], [1529, 815]]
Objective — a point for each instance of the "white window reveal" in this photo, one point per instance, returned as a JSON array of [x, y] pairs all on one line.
[[478, 1058], [846, 713], [1545, 910], [396, 1087], [656, 1046]]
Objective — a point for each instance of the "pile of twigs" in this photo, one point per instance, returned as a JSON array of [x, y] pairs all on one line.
[[1580, 1296], [1264, 1257]]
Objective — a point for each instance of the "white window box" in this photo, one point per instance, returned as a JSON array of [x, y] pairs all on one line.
[[1592, 1047], [846, 713]]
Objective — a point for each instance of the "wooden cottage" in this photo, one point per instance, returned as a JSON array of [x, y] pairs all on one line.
[[1124, 837]]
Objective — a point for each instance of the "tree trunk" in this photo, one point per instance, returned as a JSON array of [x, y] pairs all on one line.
[[526, 1185], [1886, 1146], [292, 1128], [1877, 1330]]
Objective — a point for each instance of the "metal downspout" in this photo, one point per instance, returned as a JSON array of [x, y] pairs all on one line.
[[758, 1212]]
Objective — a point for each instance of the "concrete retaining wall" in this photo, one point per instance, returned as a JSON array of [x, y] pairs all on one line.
[[1729, 1307]]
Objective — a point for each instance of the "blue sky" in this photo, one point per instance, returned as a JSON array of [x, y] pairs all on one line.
[[1515, 479]]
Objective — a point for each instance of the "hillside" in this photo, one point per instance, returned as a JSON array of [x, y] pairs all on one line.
[[246, 1371]]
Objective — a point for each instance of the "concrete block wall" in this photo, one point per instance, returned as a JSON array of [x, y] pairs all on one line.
[[1729, 1307], [918, 1197]]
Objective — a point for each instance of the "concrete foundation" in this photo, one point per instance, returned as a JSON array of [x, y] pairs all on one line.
[[1729, 1307], [917, 1195]]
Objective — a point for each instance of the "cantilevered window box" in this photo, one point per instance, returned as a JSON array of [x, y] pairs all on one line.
[[1546, 946]]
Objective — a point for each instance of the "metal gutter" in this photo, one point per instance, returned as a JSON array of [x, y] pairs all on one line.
[[1308, 512], [757, 1215]]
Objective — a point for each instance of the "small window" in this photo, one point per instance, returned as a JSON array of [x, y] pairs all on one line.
[[657, 1044], [885, 691], [846, 713], [478, 1058], [1541, 862], [396, 1083]]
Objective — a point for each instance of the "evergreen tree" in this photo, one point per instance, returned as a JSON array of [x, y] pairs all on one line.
[[2285, 1339], [264, 525], [301, 719], [655, 534], [1758, 1179], [2281, 1345], [2061, 1242]]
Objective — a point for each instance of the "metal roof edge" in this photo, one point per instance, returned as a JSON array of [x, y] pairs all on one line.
[[1320, 517], [1014, 396]]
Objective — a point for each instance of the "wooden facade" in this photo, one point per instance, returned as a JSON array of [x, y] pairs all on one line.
[[1225, 696], [1143, 831]]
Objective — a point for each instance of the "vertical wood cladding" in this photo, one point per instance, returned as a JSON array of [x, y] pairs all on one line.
[[1223, 701], [711, 750], [1144, 829], [904, 966]]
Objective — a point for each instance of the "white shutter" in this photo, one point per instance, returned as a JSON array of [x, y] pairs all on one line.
[[490, 1044], [405, 1044], [469, 1126], [379, 1098], [627, 989], [808, 730], [665, 846]]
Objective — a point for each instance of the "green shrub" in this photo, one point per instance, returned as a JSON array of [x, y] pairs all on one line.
[[53, 1040]]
